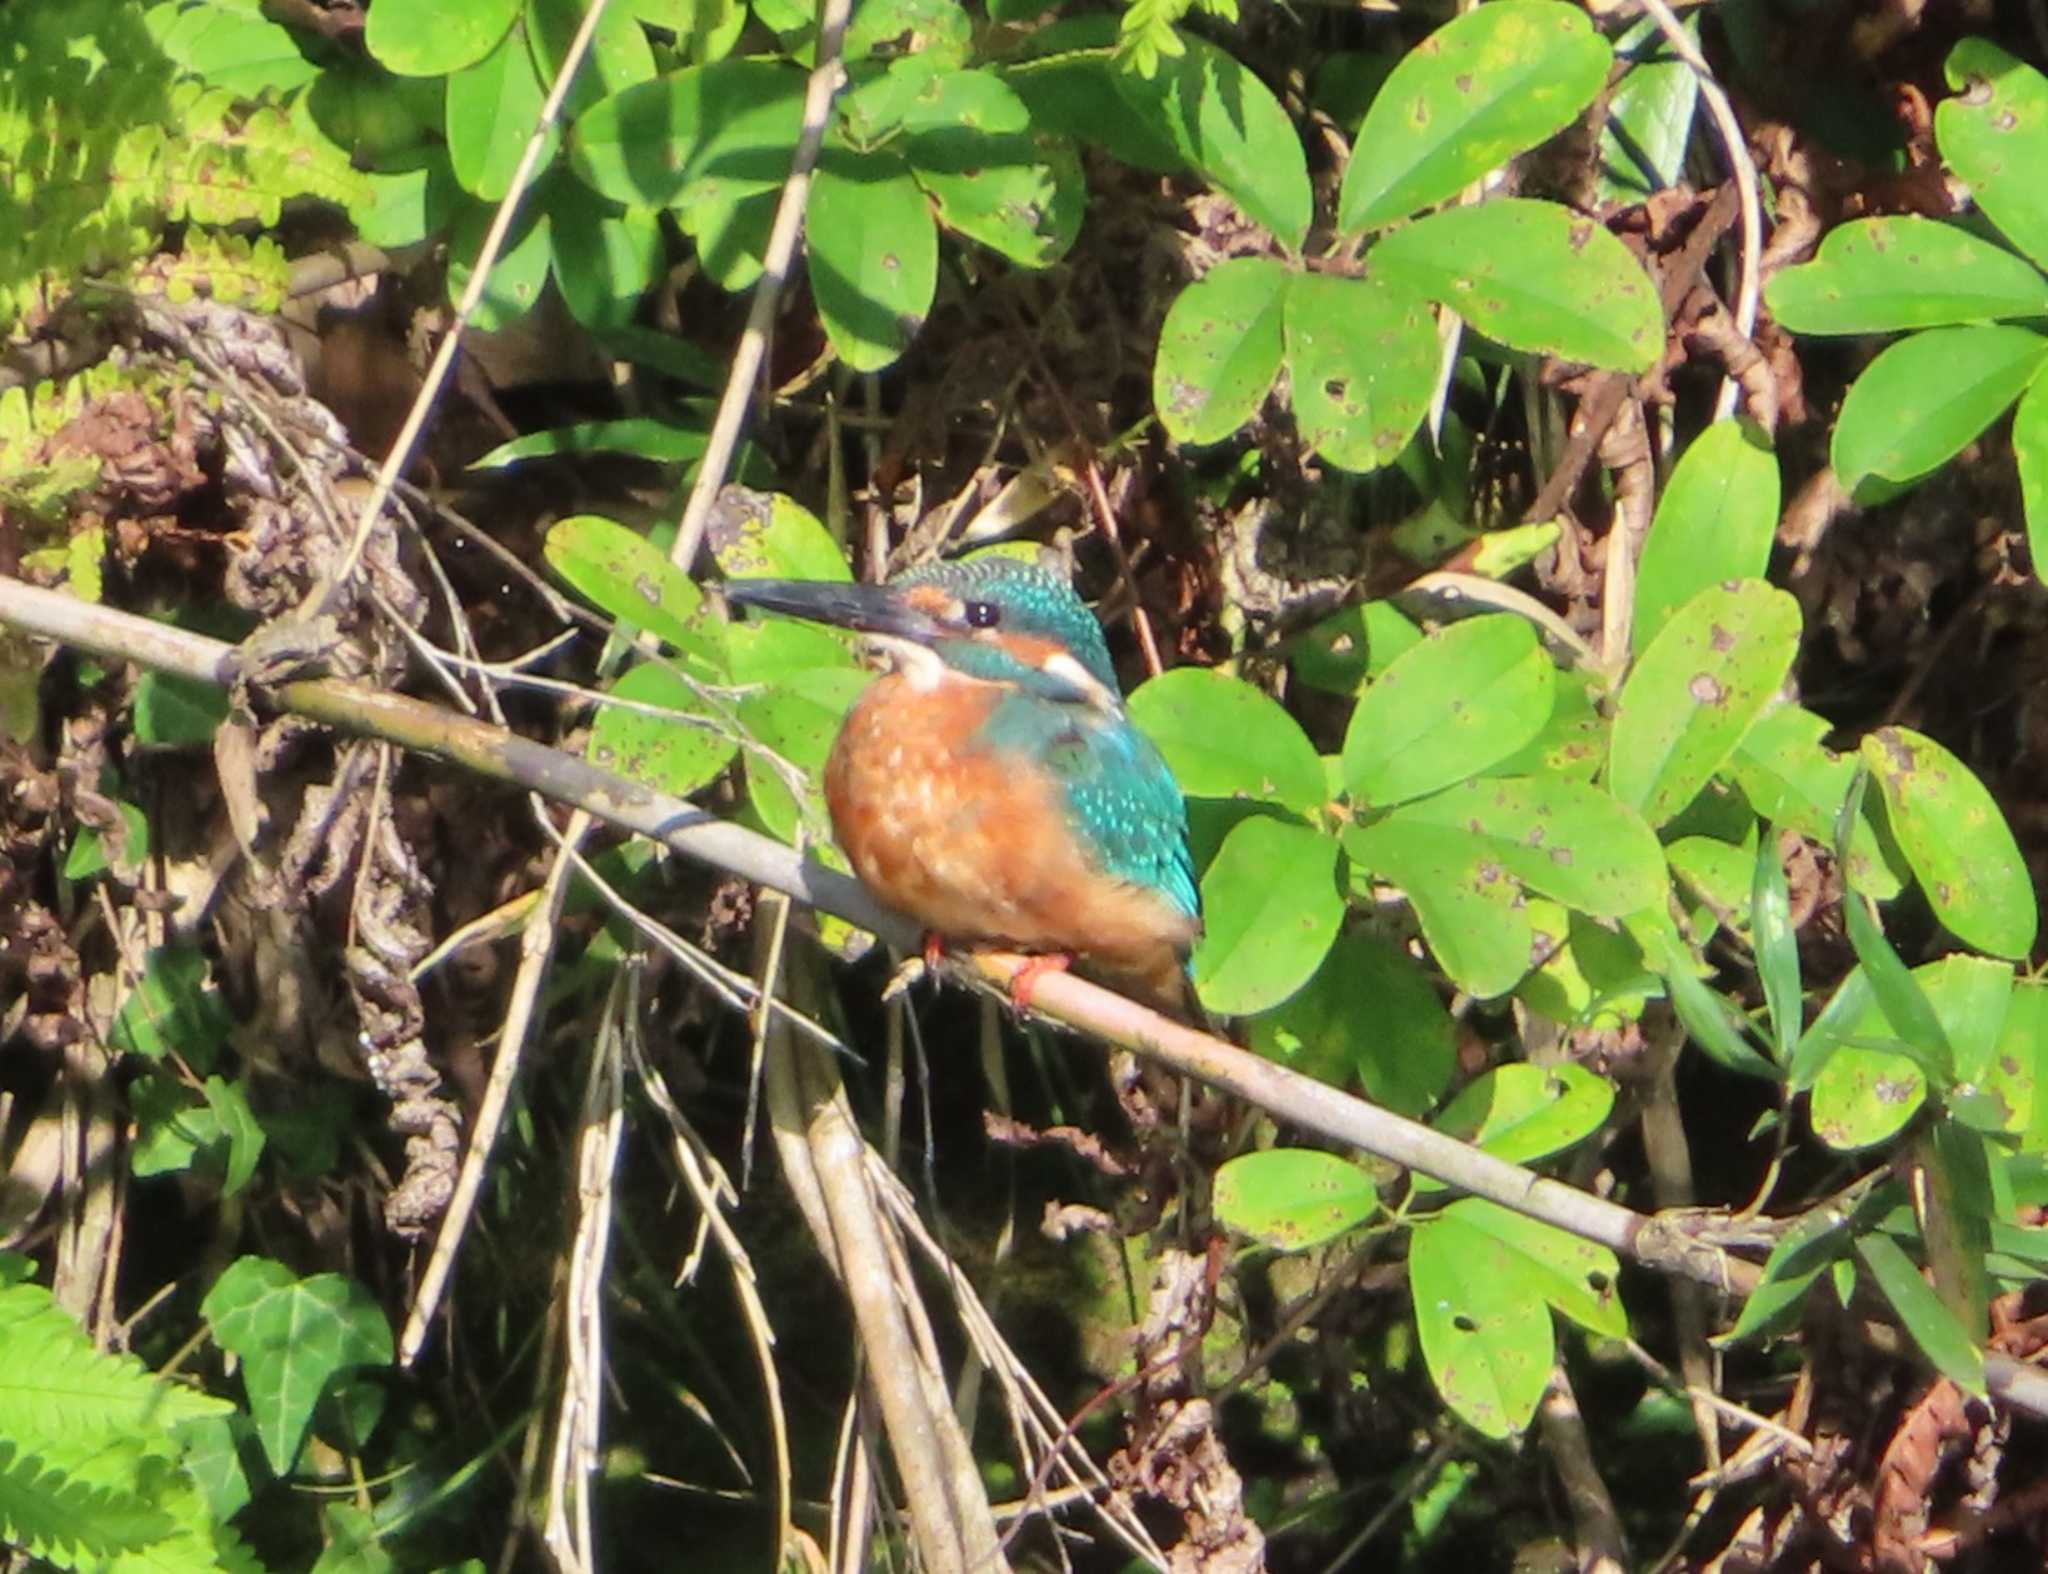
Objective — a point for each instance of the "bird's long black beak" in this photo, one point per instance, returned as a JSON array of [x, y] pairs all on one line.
[[867, 609]]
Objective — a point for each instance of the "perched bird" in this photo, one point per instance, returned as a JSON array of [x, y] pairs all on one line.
[[990, 784]]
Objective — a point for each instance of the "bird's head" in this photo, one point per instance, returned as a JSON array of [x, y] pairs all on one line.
[[991, 619]]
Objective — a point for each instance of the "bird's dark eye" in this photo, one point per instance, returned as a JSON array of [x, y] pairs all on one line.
[[983, 614]]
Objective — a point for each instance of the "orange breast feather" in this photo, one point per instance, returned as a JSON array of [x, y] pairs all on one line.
[[975, 844]]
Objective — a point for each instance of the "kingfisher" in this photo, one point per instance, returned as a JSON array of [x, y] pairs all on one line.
[[990, 784]]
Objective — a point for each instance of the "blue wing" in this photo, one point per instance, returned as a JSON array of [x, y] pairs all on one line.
[[1119, 789], [1130, 808]]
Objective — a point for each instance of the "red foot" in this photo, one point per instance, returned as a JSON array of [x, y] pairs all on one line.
[[934, 949], [1026, 980]]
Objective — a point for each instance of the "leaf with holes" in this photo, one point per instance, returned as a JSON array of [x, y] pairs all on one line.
[[1994, 134], [1534, 275], [1484, 1281], [1219, 349], [1472, 95], [1556, 836], [675, 753], [1882, 275], [796, 721], [1522, 1113], [1476, 920], [1956, 840], [1293, 1198], [1708, 674], [874, 255], [1864, 1095], [1361, 359], [619, 571]]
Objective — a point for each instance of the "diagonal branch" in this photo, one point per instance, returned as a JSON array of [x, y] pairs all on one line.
[[1670, 1245]]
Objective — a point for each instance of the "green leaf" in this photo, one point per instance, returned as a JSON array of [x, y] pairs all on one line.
[[1226, 739], [1649, 115], [1070, 88], [1715, 522], [516, 278], [724, 130], [1465, 698], [429, 41], [798, 719], [672, 754], [1917, 405], [1958, 844], [1361, 361], [1994, 134], [1483, 1280], [172, 1128], [1559, 837], [1907, 1012], [970, 147], [1943, 1340], [620, 571], [1488, 1342], [1792, 779], [229, 1102], [1476, 92], [1573, 742], [1273, 909], [1863, 1094], [642, 437], [1369, 1015], [1340, 653], [245, 53], [1293, 1198], [173, 712], [874, 255], [293, 1337], [758, 535], [1534, 275], [175, 1010], [1475, 919], [1881, 275], [492, 108], [1817, 1240], [1228, 127], [604, 262], [1710, 1020], [2018, 1072], [1219, 349], [1522, 1113], [618, 57], [1775, 945], [1711, 670], [2030, 448]]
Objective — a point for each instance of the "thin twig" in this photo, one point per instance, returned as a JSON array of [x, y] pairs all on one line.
[[322, 594], [826, 77]]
